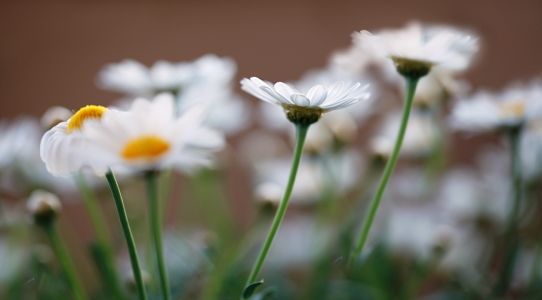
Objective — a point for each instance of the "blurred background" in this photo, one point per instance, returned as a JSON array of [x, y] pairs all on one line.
[[51, 53]]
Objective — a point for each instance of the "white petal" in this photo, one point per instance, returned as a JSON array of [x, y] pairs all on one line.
[[317, 94], [300, 100]]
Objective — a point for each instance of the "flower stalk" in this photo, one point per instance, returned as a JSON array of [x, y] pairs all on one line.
[[511, 239], [103, 240], [156, 232], [64, 260], [301, 133], [132, 250], [412, 82]]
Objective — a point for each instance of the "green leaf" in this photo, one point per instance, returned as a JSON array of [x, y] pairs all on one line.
[[249, 290]]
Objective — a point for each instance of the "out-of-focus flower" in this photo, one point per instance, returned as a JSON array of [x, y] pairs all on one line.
[[419, 232], [43, 206], [65, 150], [55, 115], [206, 80], [21, 168], [337, 171], [300, 241], [149, 137], [478, 198], [133, 78], [306, 108], [417, 48], [485, 111], [420, 137]]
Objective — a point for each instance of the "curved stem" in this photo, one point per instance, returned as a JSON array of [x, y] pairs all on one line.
[[156, 232], [127, 234], [65, 261], [510, 239], [103, 240], [388, 170], [301, 133]]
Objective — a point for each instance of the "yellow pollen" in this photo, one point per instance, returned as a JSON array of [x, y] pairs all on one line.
[[512, 110], [147, 147], [85, 113]]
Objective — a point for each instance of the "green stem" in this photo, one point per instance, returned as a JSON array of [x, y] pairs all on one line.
[[388, 170], [64, 261], [127, 234], [156, 232], [510, 239], [98, 223], [301, 133]]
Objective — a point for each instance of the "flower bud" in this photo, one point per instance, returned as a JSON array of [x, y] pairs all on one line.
[[55, 115], [43, 206]]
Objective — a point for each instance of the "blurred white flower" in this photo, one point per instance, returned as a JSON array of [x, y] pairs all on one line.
[[485, 111], [301, 240], [55, 115], [133, 78], [309, 107], [21, 168], [531, 151], [206, 80], [149, 137], [425, 45], [419, 232], [420, 137]]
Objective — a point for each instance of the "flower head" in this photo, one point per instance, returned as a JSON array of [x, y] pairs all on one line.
[[64, 149], [485, 111], [306, 108], [43, 206], [149, 136], [415, 49], [133, 78]]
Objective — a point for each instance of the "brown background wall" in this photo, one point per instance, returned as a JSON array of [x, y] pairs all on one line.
[[51, 52]]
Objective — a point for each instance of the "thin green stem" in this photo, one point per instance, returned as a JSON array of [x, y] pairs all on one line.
[[103, 240], [65, 261], [510, 239], [388, 170], [127, 234], [156, 232], [301, 133]]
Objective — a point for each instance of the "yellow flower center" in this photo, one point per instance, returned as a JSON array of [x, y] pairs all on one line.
[[85, 113], [147, 147], [512, 110]]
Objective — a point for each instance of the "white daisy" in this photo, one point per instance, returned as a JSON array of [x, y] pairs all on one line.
[[488, 111], [420, 137], [133, 78], [416, 48], [65, 150], [306, 108], [205, 80], [149, 137]]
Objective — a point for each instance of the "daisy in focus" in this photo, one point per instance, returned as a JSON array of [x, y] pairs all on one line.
[[149, 137], [306, 108]]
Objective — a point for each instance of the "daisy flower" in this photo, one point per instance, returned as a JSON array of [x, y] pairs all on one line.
[[65, 150], [150, 137], [486, 111], [306, 108], [415, 49], [133, 78]]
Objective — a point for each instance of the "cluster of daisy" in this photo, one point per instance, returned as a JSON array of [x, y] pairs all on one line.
[[347, 209]]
